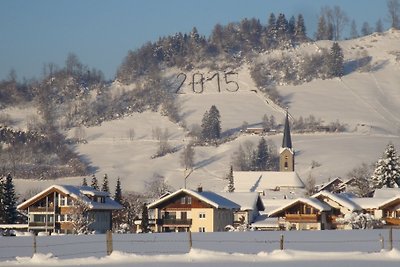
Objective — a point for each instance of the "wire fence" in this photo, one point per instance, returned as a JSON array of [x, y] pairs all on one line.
[[77, 246]]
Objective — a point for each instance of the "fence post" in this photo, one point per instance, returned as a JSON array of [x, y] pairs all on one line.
[[390, 238], [281, 242], [109, 242], [382, 240], [34, 245], [190, 240]]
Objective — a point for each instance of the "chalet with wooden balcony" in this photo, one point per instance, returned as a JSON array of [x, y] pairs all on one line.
[[196, 211], [50, 210], [391, 211], [340, 207], [303, 214]]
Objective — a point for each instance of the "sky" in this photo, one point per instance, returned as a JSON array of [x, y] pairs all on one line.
[[101, 32]]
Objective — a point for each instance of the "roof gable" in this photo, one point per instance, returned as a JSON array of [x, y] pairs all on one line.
[[76, 192], [211, 198], [341, 200], [313, 202]]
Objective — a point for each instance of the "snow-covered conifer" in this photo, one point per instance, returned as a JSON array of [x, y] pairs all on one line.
[[118, 192], [94, 183], [387, 169], [9, 201], [231, 183], [104, 186], [335, 62]]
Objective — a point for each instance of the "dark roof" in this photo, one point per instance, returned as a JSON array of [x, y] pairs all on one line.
[[287, 140]]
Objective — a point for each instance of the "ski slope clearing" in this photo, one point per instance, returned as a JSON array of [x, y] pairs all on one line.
[[367, 102]]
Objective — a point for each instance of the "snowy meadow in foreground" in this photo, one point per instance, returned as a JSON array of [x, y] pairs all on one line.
[[301, 248]]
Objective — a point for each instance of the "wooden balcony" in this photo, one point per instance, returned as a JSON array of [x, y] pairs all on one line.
[[392, 221], [41, 224], [49, 209], [175, 222], [298, 218]]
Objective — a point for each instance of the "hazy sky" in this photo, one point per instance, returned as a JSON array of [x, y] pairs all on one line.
[[101, 32]]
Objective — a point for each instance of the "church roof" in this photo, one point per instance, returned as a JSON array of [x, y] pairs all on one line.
[[287, 140], [257, 181]]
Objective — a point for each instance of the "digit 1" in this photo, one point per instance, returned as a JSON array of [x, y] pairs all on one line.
[[218, 82]]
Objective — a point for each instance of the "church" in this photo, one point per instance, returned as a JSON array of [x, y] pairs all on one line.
[[273, 181]]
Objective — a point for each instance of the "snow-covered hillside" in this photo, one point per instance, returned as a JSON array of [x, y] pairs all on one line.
[[367, 102]]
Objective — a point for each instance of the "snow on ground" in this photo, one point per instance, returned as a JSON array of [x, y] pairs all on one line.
[[367, 102], [301, 248]]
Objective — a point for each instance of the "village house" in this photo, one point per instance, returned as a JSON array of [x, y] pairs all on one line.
[[196, 211], [340, 207], [303, 214], [51, 210]]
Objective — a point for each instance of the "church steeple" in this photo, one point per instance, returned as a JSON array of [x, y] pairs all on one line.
[[286, 157], [287, 140]]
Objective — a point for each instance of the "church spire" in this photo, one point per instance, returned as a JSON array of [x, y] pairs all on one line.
[[287, 140]]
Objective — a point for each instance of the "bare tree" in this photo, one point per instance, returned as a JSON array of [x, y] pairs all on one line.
[[337, 18], [360, 177], [131, 134], [187, 157], [80, 216], [394, 13], [310, 185]]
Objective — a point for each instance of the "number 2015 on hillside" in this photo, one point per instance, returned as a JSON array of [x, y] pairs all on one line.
[[199, 83]]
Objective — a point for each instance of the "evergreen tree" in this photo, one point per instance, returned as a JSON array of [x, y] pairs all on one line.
[[271, 31], [231, 184], [335, 61], [84, 182], [10, 201], [94, 184], [262, 155], [211, 125], [104, 186], [300, 29], [291, 26], [118, 192], [2, 210], [387, 169], [145, 219]]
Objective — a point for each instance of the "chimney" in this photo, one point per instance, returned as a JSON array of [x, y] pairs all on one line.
[[199, 189]]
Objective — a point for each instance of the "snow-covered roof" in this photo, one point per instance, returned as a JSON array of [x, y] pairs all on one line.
[[215, 200], [313, 202], [77, 192], [340, 199], [248, 181], [386, 192], [390, 201], [325, 185], [246, 200], [369, 202], [273, 204], [263, 221]]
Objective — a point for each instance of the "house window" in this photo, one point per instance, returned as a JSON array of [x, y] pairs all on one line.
[[202, 215], [202, 229], [62, 201], [286, 165], [69, 201], [186, 200]]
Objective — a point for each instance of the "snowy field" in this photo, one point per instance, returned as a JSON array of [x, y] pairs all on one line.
[[301, 248]]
